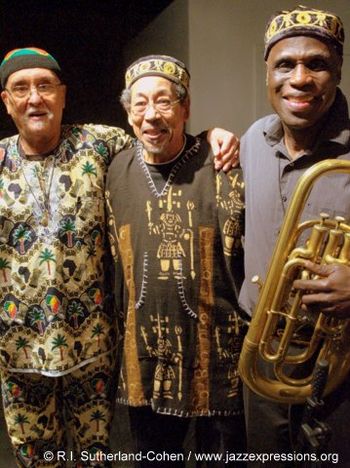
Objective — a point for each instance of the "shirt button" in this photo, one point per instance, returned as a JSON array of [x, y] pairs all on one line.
[[284, 198]]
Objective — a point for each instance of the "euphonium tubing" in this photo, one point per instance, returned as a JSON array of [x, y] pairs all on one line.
[[329, 242]]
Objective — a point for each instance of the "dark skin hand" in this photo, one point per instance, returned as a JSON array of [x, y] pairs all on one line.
[[225, 147], [330, 293]]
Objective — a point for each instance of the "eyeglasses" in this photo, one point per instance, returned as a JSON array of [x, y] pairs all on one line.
[[43, 89], [162, 106]]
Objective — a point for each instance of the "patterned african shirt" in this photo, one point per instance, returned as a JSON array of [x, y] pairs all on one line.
[[176, 237], [56, 307]]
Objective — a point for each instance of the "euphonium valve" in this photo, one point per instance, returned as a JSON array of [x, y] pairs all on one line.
[[277, 331]]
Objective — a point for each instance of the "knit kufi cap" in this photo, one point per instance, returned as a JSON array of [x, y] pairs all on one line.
[[158, 65], [304, 21], [28, 57]]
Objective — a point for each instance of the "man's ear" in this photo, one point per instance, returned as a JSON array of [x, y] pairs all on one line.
[[339, 76], [339, 64], [339, 73], [64, 90], [187, 106], [5, 100], [130, 119]]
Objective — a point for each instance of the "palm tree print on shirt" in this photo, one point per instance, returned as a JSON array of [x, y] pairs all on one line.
[[22, 236], [76, 311], [21, 419], [97, 416], [97, 331], [102, 150], [47, 256], [89, 169], [4, 265], [59, 342], [22, 343], [37, 319], [67, 230]]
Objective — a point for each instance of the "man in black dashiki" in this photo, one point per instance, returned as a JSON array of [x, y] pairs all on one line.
[[175, 229]]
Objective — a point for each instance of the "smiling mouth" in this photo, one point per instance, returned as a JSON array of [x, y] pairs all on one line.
[[37, 116], [300, 102], [37, 113], [154, 133]]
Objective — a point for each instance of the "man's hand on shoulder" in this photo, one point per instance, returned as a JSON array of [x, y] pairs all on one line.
[[225, 147]]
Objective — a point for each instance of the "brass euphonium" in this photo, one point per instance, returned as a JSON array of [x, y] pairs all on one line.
[[328, 243]]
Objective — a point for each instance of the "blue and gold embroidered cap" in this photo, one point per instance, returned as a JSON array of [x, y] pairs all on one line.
[[304, 21], [159, 65]]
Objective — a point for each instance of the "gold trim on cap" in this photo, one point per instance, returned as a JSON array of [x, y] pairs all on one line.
[[161, 66], [307, 20]]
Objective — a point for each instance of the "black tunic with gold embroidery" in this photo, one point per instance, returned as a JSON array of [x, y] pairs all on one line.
[[176, 235]]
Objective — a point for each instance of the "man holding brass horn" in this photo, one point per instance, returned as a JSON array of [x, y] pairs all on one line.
[[303, 53]]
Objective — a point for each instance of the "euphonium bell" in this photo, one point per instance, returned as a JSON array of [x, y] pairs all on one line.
[[278, 318]]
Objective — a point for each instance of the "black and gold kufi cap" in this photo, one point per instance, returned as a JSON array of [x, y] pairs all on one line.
[[304, 21], [158, 65]]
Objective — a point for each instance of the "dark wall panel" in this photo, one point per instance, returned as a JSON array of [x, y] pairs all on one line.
[[87, 38]]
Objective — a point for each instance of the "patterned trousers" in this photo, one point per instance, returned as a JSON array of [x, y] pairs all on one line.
[[44, 413]]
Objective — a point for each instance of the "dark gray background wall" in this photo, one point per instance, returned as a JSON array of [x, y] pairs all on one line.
[[87, 38], [222, 43]]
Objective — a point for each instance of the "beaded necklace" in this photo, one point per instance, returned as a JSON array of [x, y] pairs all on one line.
[[42, 199]]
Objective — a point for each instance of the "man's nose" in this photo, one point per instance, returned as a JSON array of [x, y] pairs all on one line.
[[34, 95], [301, 75], [151, 112]]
